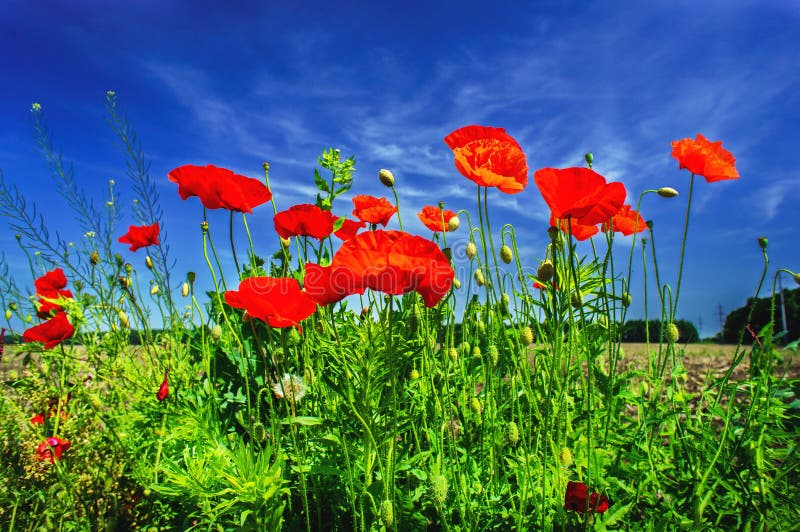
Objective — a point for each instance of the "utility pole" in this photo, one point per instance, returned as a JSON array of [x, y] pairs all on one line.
[[719, 313], [700, 325]]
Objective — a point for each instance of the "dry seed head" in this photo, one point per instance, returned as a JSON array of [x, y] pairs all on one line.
[[511, 433], [94, 258], [453, 223], [204, 226], [439, 486], [386, 177], [526, 335], [545, 271], [148, 262], [672, 333], [471, 250], [506, 255], [185, 289], [479, 279], [667, 192], [565, 457]]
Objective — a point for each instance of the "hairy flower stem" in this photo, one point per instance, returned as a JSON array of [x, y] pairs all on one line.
[[397, 204], [233, 246], [683, 250]]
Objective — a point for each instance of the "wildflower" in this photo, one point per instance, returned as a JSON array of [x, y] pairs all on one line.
[[489, 157], [506, 255], [163, 390], [140, 236], [51, 449], [50, 290], [290, 387], [667, 192], [626, 221], [220, 188], [278, 301], [52, 332], [436, 219], [304, 220], [372, 210], [579, 193], [703, 157], [575, 499], [348, 228], [386, 177]]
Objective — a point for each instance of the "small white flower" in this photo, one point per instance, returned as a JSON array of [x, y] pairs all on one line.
[[291, 387]]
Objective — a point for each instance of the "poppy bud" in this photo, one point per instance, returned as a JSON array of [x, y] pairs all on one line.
[[545, 271], [797, 278], [576, 299], [285, 243], [148, 262], [128, 268], [190, 276], [439, 486], [8, 314], [94, 258], [565, 457], [387, 514], [506, 254], [457, 283], [589, 158], [481, 327], [494, 354], [259, 432], [13, 306], [552, 232], [413, 320], [118, 260], [265, 166], [386, 177], [465, 348], [453, 223], [476, 352], [364, 312], [154, 290], [185, 289], [511, 433], [452, 352], [479, 279], [123, 281], [123, 319], [204, 226], [526, 335], [762, 242], [216, 332], [414, 374], [667, 192], [626, 299], [163, 390], [319, 326], [672, 333], [471, 250]]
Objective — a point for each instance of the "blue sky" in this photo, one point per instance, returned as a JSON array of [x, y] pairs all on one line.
[[279, 81]]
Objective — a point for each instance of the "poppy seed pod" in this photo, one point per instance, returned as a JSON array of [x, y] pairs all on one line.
[[526, 335], [506, 255], [475, 405], [128, 267], [471, 250], [589, 158], [672, 333], [545, 271], [386, 177], [191, 276], [204, 226], [479, 279], [13, 306], [453, 223], [576, 299], [9, 314], [762, 242], [476, 352], [667, 192]]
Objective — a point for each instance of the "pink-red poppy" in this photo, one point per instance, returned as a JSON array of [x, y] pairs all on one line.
[[349, 228], [51, 449], [703, 157], [220, 188], [163, 390], [140, 236], [490, 157], [627, 221], [49, 289], [304, 220], [278, 301], [372, 210], [329, 284], [579, 193], [435, 218], [580, 231], [576, 495], [50, 333]]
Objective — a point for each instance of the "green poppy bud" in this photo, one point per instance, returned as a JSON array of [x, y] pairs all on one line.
[[479, 278], [672, 333], [471, 250], [511, 433], [386, 177], [453, 223], [506, 255], [626, 299], [545, 271], [526, 335], [667, 192], [387, 514]]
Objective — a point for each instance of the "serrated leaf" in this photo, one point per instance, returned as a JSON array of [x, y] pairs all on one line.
[[320, 183]]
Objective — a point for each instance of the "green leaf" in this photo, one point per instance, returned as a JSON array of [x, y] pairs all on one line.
[[321, 183], [302, 420]]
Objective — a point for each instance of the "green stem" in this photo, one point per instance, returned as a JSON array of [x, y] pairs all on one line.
[[683, 250]]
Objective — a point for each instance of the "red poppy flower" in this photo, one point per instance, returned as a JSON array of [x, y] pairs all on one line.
[[703, 157], [395, 262], [163, 390], [49, 289], [219, 188], [278, 301], [139, 236], [489, 157], [38, 419], [373, 210], [349, 228], [304, 220], [575, 499], [580, 231], [52, 332], [329, 284], [626, 221], [579, 193], [51, 449], [435, 218]]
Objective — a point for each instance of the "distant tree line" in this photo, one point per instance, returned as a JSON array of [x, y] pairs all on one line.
[[636, 330], [736, 322]]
